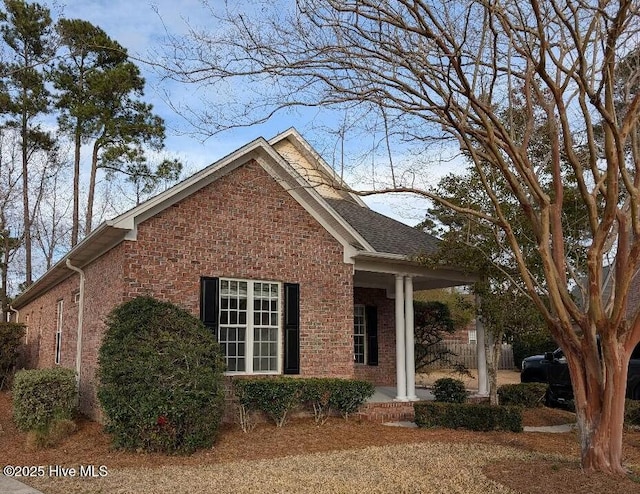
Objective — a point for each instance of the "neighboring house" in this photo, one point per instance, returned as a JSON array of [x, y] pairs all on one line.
[[293, 273]]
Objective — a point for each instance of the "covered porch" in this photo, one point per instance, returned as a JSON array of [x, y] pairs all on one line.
[[389, 281]]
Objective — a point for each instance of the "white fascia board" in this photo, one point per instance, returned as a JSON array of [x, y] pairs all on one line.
[[301, 143], [377, 262], [130, 219], [314, 204], [102, 239]]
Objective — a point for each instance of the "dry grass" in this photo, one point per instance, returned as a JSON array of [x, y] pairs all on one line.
[[470, 381], [340, 456]]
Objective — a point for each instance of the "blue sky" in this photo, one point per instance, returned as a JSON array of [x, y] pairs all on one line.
[[140, 26]]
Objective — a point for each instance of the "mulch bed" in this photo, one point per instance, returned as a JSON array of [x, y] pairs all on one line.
[[90, 445]]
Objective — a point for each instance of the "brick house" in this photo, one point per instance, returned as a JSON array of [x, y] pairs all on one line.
[[293, 273]]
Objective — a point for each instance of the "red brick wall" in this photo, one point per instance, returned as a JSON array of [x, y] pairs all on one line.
[[245, 225], [103, 290], [384, 374], [42, 317]]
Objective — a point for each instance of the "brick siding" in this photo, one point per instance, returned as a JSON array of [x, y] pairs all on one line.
[[243, 225], [383, 374]]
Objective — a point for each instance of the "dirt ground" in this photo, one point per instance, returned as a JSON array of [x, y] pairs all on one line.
[[495, 461], [470, 381]]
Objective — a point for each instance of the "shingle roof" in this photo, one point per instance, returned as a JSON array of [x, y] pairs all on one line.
[[383, 233]]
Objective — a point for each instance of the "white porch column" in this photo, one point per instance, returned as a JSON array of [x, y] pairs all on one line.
[[483, 388], [401, 376], [409, 339]]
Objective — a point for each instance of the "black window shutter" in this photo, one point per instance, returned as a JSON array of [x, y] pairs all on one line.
[[292, 328], [371, 321], [209, 289]]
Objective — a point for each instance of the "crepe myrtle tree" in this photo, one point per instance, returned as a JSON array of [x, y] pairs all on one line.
[[446, 69]]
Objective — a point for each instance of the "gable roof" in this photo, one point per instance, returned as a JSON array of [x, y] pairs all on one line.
[[295, 165], [385, 234]]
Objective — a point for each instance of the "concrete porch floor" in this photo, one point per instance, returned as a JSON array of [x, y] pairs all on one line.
[[387, 394]]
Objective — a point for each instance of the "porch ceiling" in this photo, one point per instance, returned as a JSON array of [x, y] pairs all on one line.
[[375, 270], [432, 280]]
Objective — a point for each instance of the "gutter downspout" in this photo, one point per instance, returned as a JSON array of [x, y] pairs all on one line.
[[17, 312], [80, 320]]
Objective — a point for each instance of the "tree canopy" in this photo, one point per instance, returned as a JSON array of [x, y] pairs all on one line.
[[70, 72]]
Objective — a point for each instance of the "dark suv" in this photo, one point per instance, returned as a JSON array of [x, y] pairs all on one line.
[[534, 368], [560, 392]]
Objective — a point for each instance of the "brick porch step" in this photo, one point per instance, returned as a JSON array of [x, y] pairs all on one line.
[[388, 412]]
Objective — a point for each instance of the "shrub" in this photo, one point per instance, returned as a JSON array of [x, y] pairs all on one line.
[[41, 396], [316, 395], [58, 430], [449, 390], [11, 335], [160, 378], [276, 397], [528, 395], [632, 413], [470, 416], [348, 395]]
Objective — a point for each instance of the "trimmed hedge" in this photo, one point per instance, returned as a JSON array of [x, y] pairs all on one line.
[[470, 416], [11, 335], [528, 395], [449, 390], [42, 396], [161, 378], [348, 396], [277, 396]]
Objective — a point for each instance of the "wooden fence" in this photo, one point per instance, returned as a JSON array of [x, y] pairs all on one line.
[[466, 353]]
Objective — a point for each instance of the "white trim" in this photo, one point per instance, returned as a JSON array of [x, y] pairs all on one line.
[[248, 356], [79, 299], [59, 323], [472, 336], [300, 143], [401, 371], [364, 334], [409, 339], [323, 213]]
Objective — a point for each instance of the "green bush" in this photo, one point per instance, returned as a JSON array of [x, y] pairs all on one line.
[[160, 378], [449, 390], [11, 335], [316, 395], [348, 395], [58, 431], [632, 413], [42, 396], [276, 397], [528, 395], [470, 416]]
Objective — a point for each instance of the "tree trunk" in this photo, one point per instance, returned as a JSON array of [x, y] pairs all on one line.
[[76, 188], [600, 409], [92, 187], [25, 202], [493, 345], [4, 267]]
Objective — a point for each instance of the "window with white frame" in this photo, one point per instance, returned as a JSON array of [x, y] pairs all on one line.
[[59, 331], [473, 336], [249, 325], [26, 330], [359, 334]]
